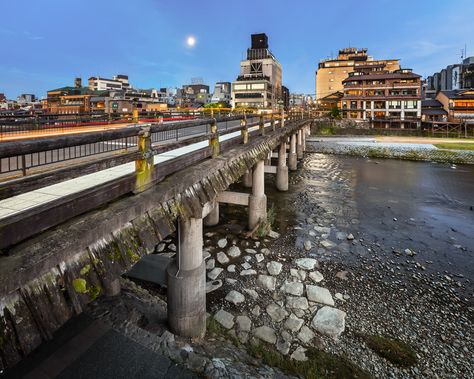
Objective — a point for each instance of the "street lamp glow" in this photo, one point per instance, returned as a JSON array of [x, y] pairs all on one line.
[[191, 41]]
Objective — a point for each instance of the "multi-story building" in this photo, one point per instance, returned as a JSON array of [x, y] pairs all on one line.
[[195, 93], [221, 93], [260, 80], [118, 82], [453, 77], [459, 104], [285, 97], [382, 95], [26, 98], [332, 72]]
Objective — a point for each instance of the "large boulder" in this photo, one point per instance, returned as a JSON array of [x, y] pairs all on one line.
[[329, 321]]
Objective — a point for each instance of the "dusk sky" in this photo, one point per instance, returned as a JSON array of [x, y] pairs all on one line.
[[45, 44]]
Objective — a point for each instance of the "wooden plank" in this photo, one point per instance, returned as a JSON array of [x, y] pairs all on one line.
[[229, 197]]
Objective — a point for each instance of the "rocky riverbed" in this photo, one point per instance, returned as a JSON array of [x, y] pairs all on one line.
[[320, 283]]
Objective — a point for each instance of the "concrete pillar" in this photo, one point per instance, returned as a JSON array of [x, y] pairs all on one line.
[[257, 200], [299, 145], [212, 218], [282, 169], [248, 179], [187, 282], [292, 158], [303, 138]]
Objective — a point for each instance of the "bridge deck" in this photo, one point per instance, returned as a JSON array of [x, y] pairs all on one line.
[[25, 201]]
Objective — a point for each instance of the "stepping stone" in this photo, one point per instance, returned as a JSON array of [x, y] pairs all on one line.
[[213, 274], [212, 286], [252, 293], [299, 354], [293, 323], [256, 311], [210, 264], [235, 297], [305, 335], [300, 274], [294, 288], [319, 295], [267, 282], [276, 312], [248, 272], [316, 276], [222, 258], [274, 268], [222, 243], [266, 334], [297, 302], [233, 252], [259, 257], [244, 324], [306, 263], [224, 318], [283, 346], [329, 321]]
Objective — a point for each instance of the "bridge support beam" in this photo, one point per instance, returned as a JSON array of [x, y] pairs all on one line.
[[282, 169], [247, 179], [212, 218], [257, 200], [299, 145], [292, 158], [187, 282]]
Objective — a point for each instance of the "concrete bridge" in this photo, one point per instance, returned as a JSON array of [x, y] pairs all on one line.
[[67, 235]]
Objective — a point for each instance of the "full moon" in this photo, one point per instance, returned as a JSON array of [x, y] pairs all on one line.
[[190, 41]]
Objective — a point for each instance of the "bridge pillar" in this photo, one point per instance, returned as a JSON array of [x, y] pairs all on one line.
[[299, 145], [212, 218], [292, 161], [282, 169], [303, 138], [248, 179], [257, 200], [187, 282]]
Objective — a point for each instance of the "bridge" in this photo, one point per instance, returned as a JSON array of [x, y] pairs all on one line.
[[69, 230]]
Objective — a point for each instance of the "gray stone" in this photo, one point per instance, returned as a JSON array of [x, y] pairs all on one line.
[[276, 312], [265, 251], [283, 346], [214, 273], [210, 264], [246, 266], [327, 244], [316, 276], [293, 323], [339, 296], [231, 268], [252, 293], [222, 243], [305, 335], [224, 318], [267, 282], [329, 321], [340, 236], [222, 258], [297, 302], [299, 354], [205, 254], [235, 297], [248, 272], [322, 229], [308, 245], [244, 324], [295, 288], [265, 333], [210, 234], [350, 237], [212, 286], [233, 252], [172, 247], [274, 268], [160, 247], [319, 295], [247, 258], [273, 234], [342, 275], [256, 311], [251, 251], [299, 312], [230, 281], [286, 336], [306, 263], [259, 257]]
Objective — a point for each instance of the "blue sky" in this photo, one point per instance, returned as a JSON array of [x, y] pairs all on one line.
[[45, 44]]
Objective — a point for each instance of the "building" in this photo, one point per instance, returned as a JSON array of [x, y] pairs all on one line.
[[195, 94], [285, 98], [222, 93], [382, 96], [260, 80], [332, 72], [118, 82], [453, 77], [26, 98], [459, 104], [3, 98], [326, 104], [432, 110]]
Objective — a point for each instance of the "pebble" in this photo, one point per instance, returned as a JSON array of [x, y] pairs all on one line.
[[274, 268], [224, 318], [233, 252], [222, 258], [222, 243], [235, 297], [214, 273]]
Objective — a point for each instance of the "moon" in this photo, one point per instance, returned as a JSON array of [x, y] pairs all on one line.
[[191, 41]]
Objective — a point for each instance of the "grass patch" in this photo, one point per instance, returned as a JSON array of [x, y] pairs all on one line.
[[216, 329], [320, 365], [265, 227], [455, 146], [393, 350]]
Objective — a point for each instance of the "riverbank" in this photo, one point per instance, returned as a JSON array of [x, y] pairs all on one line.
[[391, 270], [392, 148]]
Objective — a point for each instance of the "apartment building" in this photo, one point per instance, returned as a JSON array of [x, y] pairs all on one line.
[[459, 104], [453, 77], [118, 82], [382, 96], [332, 72], [222, 93], [259, 84]]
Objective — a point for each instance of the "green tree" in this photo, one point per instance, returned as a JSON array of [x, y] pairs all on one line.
[[335, 113]]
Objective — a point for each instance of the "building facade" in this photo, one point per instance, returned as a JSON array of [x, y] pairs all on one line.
[[332, 72], [459, 104], [118, 82], [259, 84], [222, 93], [453, 77], [382, 95]]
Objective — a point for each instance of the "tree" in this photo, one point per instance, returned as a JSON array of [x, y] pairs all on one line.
[[335, 113]]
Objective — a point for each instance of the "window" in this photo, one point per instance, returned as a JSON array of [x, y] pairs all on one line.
[[353, 104], [239, 87], [395, 104], [411, 104]]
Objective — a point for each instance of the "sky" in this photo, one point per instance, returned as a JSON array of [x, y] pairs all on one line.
[[45, 44]]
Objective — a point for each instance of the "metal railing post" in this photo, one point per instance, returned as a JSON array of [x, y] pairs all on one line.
[[144, 164], [214, 140]]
